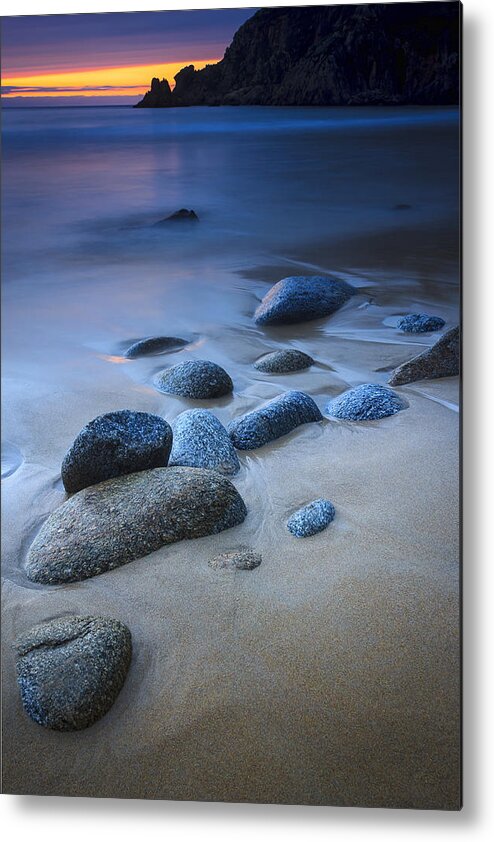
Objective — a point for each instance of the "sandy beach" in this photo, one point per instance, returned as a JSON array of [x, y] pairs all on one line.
[[329, 674]]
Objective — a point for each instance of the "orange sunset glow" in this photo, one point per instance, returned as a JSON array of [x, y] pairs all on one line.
[[123, 80]]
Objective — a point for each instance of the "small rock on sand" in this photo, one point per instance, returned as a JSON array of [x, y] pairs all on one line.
[[236, 560], [281, 362], [117, 443], [302, 299], [311, 519], [110, 524], [273, 420], [367, 402], [71, 670], [201, 441], [442, 360], [154, 345], [420, 323], [197, 379]]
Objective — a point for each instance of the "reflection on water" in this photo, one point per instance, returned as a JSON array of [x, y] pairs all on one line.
[[289, 189]]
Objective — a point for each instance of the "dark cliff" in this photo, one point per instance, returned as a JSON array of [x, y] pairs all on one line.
[[400, 53]]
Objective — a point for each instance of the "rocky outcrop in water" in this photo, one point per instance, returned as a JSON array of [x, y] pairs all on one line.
[[71, 670], [273, 420], [376, 54], [367, 402], [114, 444], [302, 299], [442, 360], [182, 215], [159, 96], [110, 524]]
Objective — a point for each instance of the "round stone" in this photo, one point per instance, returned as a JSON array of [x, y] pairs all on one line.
[[311, 519], [197, 379], [71, 670], [281, 362], [420, 323], [367, 402], [114, 444]]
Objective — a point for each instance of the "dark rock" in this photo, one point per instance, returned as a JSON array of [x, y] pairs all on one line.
[[182, 215], [201, 441], [420, 323], [236, 560], [154, 345], [352, 54], [160, 95], [366, 403], [71, 670], [442, 360], [198, 379], [302, 299], [280, 362], [114, 444], [273, 420], [110, 524], [311, 519]]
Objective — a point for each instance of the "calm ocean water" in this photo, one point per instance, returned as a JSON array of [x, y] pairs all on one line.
[[84, 268]]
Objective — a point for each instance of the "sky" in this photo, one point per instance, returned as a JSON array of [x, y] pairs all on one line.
[[107, 59]]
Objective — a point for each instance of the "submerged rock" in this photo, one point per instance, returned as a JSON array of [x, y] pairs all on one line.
[[236, 560], [71, 670], [182, 215], [154, 345], [198, 379], [273, 420], [367, 402], [117, 443], [311, 519], [442, 360], [287, 360], [201, 441], [420, 323], [110, 524], [302, 299]]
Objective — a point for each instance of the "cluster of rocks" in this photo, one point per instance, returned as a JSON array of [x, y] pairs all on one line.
[[139, 484]]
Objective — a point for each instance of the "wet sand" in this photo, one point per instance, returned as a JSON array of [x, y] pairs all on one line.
[[328, 675]]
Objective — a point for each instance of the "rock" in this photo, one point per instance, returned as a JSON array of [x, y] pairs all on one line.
[[201, 441], [280, 362], [302, 299], [365, 54], [117, 443], [366, 403], [198, 379], [273, 420], [154, 345], [420, 323], [110, 524], [311, 519], [160, 95], [182, 215], [236, 560], [71, 670], [442, 360]]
